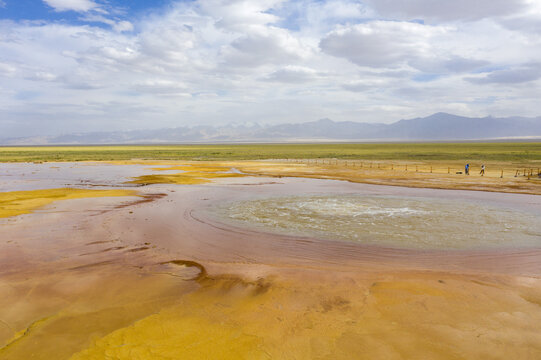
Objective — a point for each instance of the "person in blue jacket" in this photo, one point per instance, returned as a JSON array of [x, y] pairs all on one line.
[[467, 169]]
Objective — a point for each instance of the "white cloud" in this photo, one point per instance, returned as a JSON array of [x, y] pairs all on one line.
[[273, 61], [74, 5], [116, 25], [239, 14], [315, 18], [381, 43], [450, 64], [527, 21], [7, 70], [447, 10], [42, 76], [516, 75], [292, 75], [121, 26], [272, 46], [162, 87]]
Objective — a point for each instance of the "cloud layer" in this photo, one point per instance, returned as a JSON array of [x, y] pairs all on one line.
[[267, 61], [74, 5]]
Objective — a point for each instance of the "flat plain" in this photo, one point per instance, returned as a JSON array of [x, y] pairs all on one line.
[[518, 152], [120, 253]]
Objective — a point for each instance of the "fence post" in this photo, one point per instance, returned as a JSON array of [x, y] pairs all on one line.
[[502, 174], [431, 169], [406, 167], [448, 170]]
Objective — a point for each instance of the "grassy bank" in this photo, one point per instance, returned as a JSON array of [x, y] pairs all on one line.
[[524, 152]]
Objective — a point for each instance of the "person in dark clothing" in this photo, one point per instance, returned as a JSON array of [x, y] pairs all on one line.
[[467, 169]]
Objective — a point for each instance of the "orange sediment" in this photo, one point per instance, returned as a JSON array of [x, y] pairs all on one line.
[[247, 295], [386, 316], [386, 175], [191, 174], [15, 203], [436, 175]]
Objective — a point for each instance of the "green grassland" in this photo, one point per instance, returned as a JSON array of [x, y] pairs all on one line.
[[520, 152]]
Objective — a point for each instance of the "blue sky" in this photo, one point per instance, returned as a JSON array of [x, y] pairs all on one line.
[[40, 10], [93, 65]]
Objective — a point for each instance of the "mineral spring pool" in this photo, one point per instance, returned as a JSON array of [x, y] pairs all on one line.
[[390, 221]]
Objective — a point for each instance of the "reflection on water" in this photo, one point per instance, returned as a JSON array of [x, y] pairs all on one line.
[[147, 280], [420, 223], [29, 176]]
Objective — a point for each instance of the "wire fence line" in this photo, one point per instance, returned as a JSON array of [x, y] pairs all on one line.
[[527, 172]]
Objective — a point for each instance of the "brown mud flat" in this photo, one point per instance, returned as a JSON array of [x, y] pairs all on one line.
[[435, 175], [161, 279], [499, 176]]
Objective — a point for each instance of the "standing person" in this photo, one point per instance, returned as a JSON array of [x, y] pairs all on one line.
[[482, 172], [467, 169]]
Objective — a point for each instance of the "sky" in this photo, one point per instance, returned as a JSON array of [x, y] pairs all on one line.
[[105, 65]]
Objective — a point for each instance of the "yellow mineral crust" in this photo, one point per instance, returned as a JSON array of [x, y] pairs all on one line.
[[431, 174], [191, 174], [15, 203], [402, 317]]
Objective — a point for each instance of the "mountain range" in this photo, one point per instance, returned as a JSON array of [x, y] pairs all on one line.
[[437, 127]]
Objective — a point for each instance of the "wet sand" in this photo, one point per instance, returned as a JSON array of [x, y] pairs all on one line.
[[161, 277]]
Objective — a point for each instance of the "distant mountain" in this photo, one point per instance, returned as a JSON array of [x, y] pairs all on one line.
[[442, 126], [439, 126]]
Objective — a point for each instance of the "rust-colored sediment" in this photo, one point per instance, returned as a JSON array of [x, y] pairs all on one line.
[[159, 279]]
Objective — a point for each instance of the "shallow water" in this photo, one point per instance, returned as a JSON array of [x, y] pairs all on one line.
[[155, 278], [403, 222], [30, 176]]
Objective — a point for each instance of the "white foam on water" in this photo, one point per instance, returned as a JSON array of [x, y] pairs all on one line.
[[404, 222]]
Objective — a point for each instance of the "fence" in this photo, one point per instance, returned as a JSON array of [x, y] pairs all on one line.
[[421, 168]]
